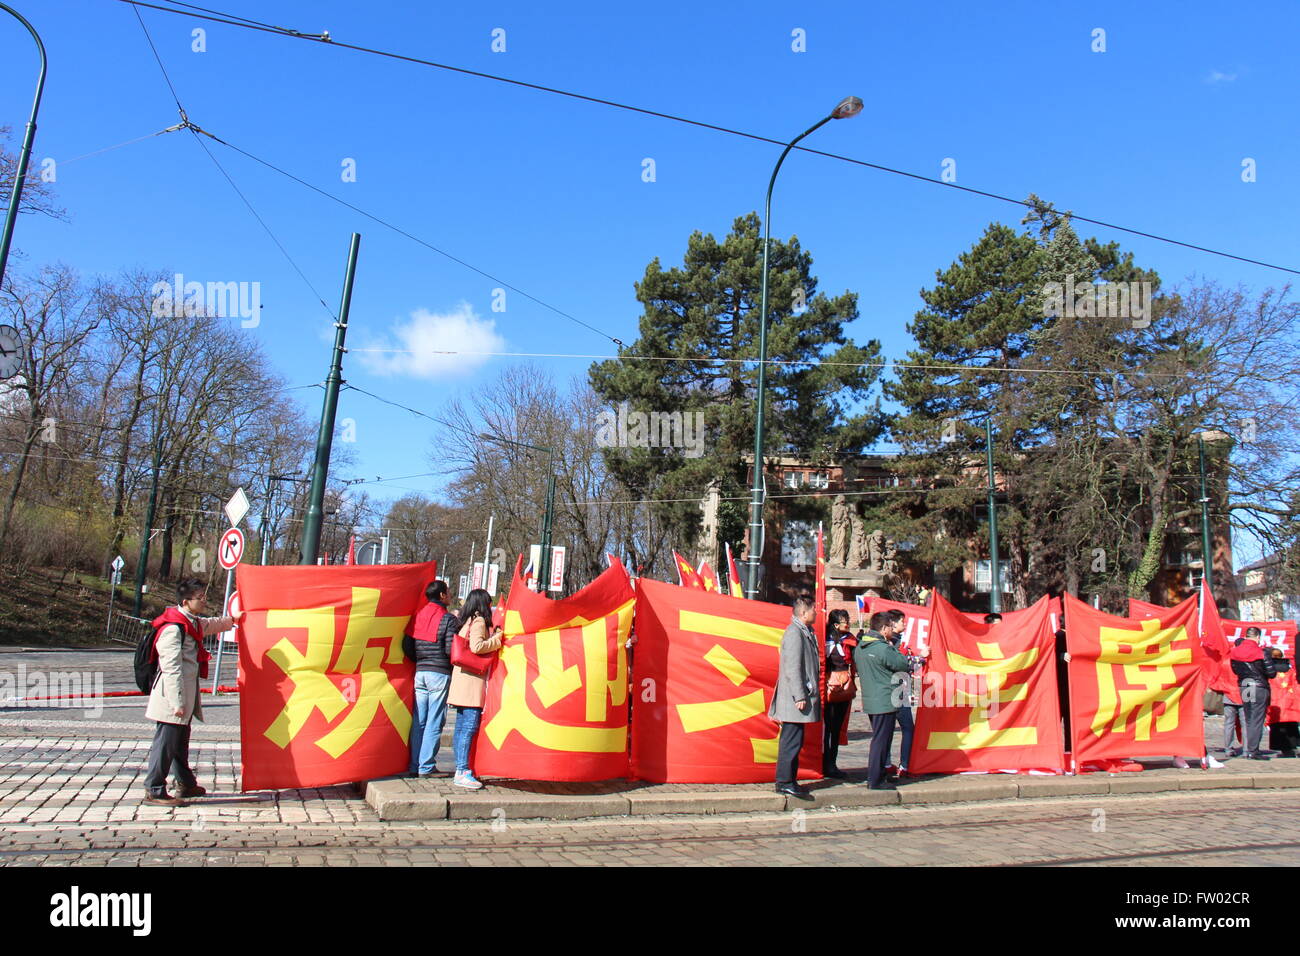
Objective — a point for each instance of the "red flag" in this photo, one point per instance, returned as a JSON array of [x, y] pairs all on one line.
[[733, 576], [556, 706], [1218, 665], [1284, 702], [709, 578], [706, 667], [988, 694], [325, 690], [1135, 686], [352, 549], [687, 576]]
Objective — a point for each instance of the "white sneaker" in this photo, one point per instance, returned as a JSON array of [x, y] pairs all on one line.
[[468, 781]]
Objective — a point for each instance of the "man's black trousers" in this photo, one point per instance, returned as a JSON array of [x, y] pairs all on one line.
[[170, 752], [787, 753], [882, 739]]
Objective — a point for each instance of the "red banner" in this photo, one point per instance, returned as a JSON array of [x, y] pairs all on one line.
[[1135, 686], [988, 694], [916, 636], [706, 667], [325, 690], [556, 706]]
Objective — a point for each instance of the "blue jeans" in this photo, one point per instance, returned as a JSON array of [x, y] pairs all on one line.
[[426, 723], [467, 719]]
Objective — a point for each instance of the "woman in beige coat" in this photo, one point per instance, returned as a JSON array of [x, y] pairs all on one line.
[[468, 689]]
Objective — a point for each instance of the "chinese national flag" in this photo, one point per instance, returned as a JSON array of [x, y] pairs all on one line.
[[687, 575], [733, 576], [706, 667], [709, 578], [988, 695], [1135, 686], [325, 690], [556, 706]]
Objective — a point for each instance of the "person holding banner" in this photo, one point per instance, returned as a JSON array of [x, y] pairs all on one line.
[[1254, 668], [429, 645], [880, 666], [469, 687], [796, 700], [174, 697], [905, 722]]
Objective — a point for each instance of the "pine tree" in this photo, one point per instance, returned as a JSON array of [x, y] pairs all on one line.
[[697, 353]]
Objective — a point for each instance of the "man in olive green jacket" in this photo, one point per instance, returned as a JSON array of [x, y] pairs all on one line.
[[882, 670]]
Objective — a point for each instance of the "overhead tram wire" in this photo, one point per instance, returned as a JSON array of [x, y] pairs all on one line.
[[247, 24], [416, 239], [754, 361], [196, 130]]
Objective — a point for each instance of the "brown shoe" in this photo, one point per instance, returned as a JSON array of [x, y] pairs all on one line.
[[163, 801], [190, 793]]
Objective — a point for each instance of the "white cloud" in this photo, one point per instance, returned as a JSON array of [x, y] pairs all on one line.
[[418, 346], [1217, 77]]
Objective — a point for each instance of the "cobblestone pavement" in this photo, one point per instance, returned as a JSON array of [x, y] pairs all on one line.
[[70, 785]]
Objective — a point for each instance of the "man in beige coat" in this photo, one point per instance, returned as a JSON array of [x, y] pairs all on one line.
[[174, 699]]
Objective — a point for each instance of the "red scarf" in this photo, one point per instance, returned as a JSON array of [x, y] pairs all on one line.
[[174, 615], [1247, 651], [427, 621]]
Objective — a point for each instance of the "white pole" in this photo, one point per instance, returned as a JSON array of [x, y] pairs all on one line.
[[487, 553], [221, 638], [383, 555]]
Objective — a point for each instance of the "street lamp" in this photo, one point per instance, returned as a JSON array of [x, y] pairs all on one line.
[[1207, 548], [24, 154], [848, 107], [544, 568]]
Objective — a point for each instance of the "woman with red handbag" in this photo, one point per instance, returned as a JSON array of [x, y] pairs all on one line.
[[472, 655]]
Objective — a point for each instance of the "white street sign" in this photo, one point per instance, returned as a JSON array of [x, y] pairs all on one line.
[[231, 548], [493, 571], [476, 581], [557, 569], [463, 591], [118, 564], [237, 507]]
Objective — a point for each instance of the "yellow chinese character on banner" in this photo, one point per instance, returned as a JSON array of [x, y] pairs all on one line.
[[993, 669], [1148, 658], [555, 682], [712, 714], [309, 671]]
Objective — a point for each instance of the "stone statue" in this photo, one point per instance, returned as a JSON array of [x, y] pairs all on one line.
[[841, 529], [860, 546], [876, 552]]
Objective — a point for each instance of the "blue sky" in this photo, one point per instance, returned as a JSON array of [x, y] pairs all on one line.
[[547, 193]]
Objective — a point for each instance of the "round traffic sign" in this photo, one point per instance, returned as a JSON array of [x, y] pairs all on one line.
[[236, 606], [231, 548]]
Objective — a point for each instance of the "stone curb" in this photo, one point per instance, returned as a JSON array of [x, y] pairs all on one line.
[[402, 799]]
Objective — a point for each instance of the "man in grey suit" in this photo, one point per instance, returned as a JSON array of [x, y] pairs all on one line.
[[796, 702]]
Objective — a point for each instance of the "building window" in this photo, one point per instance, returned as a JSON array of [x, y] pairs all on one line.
[[793, 479], [984, 580], [819, 479], [799, 545]]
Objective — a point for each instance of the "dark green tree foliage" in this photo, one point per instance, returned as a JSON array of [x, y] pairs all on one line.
[[990, 343], [697, 352]]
